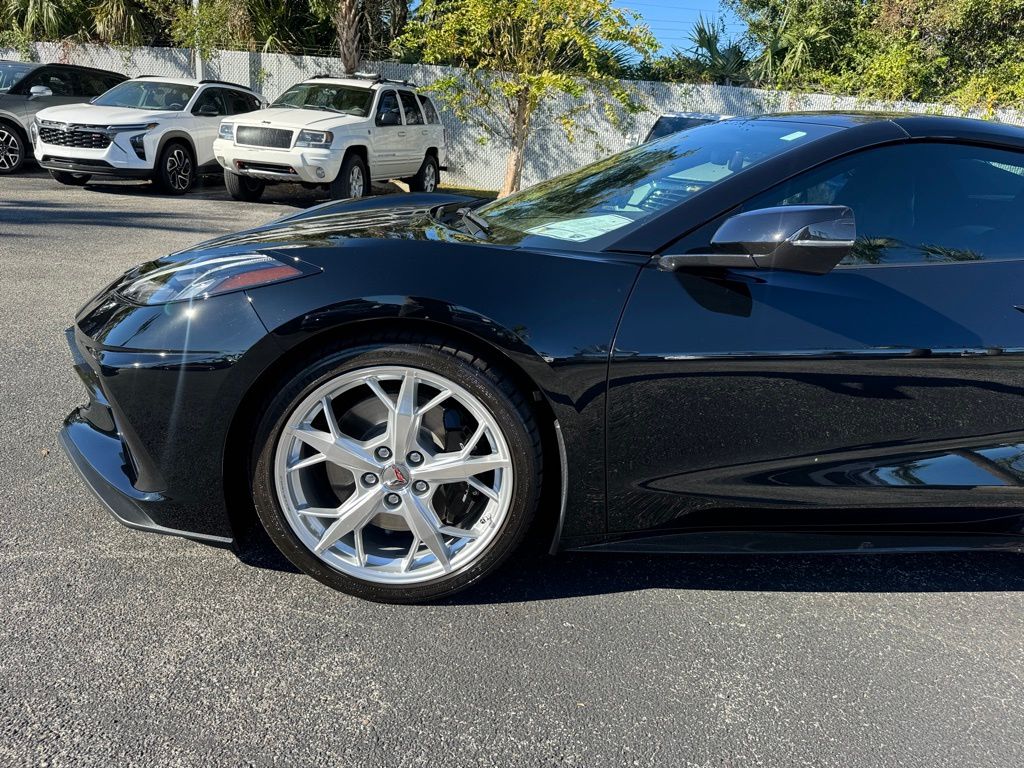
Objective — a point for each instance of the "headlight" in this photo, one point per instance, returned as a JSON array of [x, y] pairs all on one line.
[[318, 139], [199, 277], [132, 127], [227, 131]]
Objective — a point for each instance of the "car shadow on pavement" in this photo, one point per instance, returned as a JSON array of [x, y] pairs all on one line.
[[532, 576]]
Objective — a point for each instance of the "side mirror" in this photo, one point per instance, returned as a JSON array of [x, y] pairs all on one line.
[[391, 117], [797, 238], [38, 91], [208, 110]]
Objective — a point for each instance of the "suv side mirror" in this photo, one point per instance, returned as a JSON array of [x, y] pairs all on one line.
[[208, 110], [391, 117], [797, 238], [37, 91]]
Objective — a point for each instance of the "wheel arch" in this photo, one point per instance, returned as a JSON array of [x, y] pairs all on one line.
[[175, 135], [236, 467], [8, 119]]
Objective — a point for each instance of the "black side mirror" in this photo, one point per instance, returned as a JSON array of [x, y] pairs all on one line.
[[797, 238], [208, 110], [391, 117]]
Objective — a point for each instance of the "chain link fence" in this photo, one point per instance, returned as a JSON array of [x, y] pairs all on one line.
[[475, 163]]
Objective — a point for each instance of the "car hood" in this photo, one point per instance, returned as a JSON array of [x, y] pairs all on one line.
[[316, 234], [91, 114], [292, 117]]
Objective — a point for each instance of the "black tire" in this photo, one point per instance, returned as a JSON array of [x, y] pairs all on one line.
[[243, 187], [342, 187], [70, 179], [490, 385], [428, 178], [13, 149], [175, 172]]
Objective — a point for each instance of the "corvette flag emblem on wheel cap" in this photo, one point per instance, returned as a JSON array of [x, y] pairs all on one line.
[[394, 478]]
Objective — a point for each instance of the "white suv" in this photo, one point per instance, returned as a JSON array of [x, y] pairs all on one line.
[[149, 127], [339, 133]]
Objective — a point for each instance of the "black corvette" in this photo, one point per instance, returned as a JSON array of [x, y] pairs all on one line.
[[788, 333]]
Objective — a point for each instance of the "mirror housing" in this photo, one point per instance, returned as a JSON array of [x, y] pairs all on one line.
[[391, 117], [38, 91], [796, 238], [208, 110]]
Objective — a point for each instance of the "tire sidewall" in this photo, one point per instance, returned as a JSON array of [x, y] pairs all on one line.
[[525, 465], [420, 180], [243, 187], [340, 187]]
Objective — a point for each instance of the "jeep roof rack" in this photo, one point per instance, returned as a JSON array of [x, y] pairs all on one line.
[[372, 77]]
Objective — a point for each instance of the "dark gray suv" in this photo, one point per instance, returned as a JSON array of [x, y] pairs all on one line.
[[27, 87]]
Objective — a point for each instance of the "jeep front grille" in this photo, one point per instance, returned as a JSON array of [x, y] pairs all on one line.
[[263, 137]]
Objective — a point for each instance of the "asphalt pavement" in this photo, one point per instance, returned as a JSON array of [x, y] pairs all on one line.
[[120, 648]]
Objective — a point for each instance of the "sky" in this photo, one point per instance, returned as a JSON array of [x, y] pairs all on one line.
[[672, 20]]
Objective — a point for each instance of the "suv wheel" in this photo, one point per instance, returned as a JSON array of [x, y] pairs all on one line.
[[175, 171], [353, 180], [428, 177], [243, 187], [71, 179], [12, 149]]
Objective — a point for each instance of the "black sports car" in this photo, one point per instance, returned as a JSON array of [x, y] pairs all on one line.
[[798, 332]]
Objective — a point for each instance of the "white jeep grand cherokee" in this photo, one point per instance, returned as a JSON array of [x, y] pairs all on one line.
[[339, 133], [150, 127]]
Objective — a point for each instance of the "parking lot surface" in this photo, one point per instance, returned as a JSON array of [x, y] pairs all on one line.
[[124, 648]]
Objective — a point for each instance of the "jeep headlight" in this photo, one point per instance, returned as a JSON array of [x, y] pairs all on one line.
[[315, 139], [227, 131]]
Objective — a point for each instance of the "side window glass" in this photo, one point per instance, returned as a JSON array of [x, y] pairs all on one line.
[[59, 81], [211, 97], [238, 102], [411, 107], [88, 84], [388, 112], [429, 111], [920, 203]]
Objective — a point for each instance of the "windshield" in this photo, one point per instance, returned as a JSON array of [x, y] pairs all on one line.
[[147, 94], [12, 71], [627, 188], [332, 98]]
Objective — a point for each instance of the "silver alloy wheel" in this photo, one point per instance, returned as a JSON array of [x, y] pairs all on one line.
[[368, 484], [10, 150], [179, 169], [429, 178], [356, 182]]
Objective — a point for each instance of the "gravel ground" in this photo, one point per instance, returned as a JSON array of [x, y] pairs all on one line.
[[123, 648]]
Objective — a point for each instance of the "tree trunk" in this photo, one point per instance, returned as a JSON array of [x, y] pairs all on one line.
[[517, 153], [346, 27]]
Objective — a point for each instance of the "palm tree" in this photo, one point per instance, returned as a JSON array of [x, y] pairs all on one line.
[[788, 48], [725, 64], [120, 21]]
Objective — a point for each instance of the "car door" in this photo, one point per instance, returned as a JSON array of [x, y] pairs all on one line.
[[888, 392], [434, 130], [208, 109], [387, 137], [62, 86], [415, 141]]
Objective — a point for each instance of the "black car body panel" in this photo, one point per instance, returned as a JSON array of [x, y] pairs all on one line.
[[700, 404]]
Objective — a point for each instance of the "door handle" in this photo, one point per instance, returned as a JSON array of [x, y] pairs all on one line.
[[401, 133]]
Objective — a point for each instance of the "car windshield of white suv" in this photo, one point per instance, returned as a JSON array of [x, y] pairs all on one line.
[[145, 94], [331, 98], [12, 71], [625, 189]]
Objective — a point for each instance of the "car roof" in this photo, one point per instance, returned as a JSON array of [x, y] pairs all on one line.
[[361, 82], [914, 125], [36, 65], [695, 115]]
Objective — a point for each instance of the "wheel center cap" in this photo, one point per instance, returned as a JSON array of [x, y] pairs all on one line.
[[395, 478]]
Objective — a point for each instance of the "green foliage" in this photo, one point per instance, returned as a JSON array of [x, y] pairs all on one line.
[[518, 59]]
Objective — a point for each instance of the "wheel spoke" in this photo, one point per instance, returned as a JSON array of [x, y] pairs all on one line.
[[340, 450], [426, 526], [459, 468], [410, 555], [317, 458], [486, 490], [355, 512]]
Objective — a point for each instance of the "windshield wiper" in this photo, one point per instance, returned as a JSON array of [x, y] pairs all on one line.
[[471, 217]]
